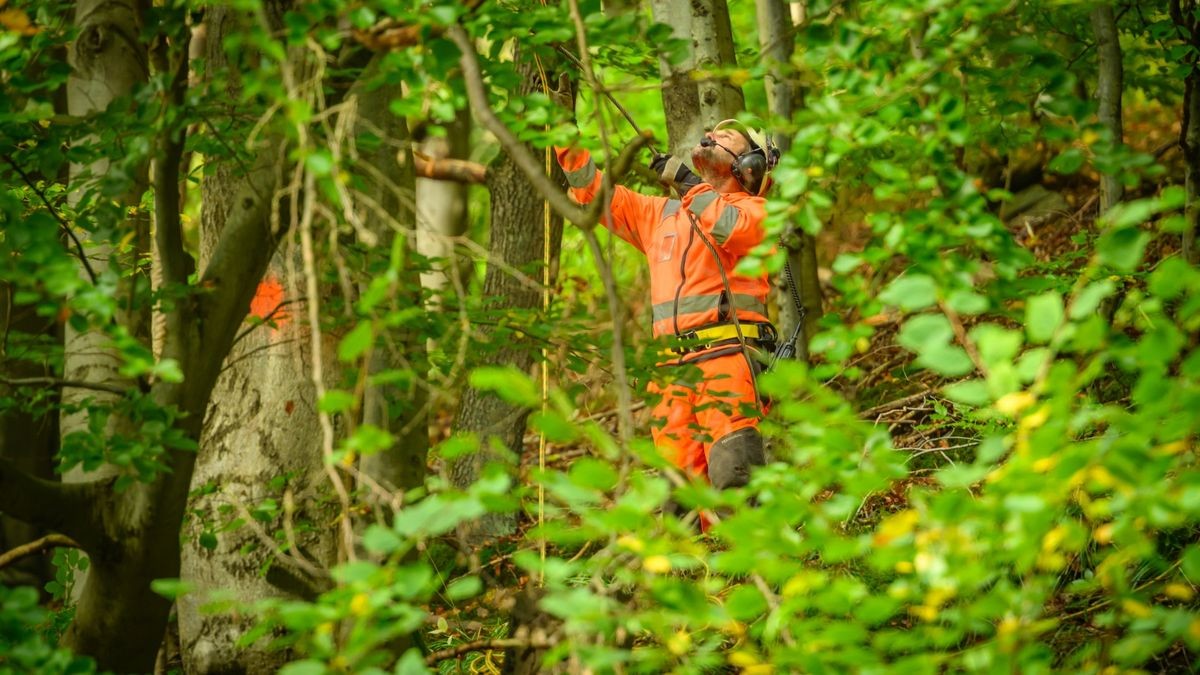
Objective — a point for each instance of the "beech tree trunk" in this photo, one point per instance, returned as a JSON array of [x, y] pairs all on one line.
[[517, 240], [260, 457], [713, 39], [681, 96], [1183, 14], [442, 206], [1109, 87], [777, 41]]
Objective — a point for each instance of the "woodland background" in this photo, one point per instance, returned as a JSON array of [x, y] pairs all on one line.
[[274, 324]]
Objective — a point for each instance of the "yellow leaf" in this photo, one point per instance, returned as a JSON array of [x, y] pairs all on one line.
[[1012, 404], [904, 567], [1035, 419], [679, 643], [739, 77], [743, 659], [658, 564], [924, 612], [17, 21], [1136, 609], [760, 669], [360, 604], [631, 543], [1179, 591], [1045, 464], [1053, 538], [1194, 629], [815, 171], [895, 526], [1103, 534], [1088, 137]]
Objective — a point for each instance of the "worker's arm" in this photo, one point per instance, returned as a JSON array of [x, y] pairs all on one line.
[[631, 216], [733, 222]]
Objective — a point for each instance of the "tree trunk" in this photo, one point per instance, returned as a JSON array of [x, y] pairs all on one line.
[[108, 62], [713, 38], [403, 413], [777, 41], [260, 456], [29, 441], [1183, 15], [442, 207], [681, 96], [1109, 87], [517, 240]]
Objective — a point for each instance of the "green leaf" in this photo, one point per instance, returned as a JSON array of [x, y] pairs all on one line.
[[380, 539], [171, 589], [319, 162], [412, 663], [305, 667], [508, 383], [1067, 162], [967, 303], [1122, 248], [745, 603], [1087, 300], [208, 540], [949, 360], [910, 292], [925, 332], [996, 344], [593, 473], [466, 587], [336, 401], [969, 392], [356, 341], [1043, 316]]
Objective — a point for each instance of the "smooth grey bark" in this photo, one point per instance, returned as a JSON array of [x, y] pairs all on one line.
[[442, 206], [132, 536], [681, 96], [261, 427], [108, 62], [713, 40], [1109, 88], [777, 42], [517, 240]]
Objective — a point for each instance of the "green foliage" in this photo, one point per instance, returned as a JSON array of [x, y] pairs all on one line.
[[23, 648]]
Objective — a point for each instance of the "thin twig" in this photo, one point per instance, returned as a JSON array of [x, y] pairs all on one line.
[[56, 382], [485, 644], [57, 216]]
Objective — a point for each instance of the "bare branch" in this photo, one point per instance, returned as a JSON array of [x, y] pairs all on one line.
[[486, 644], [37, 546], [56, 382], [444, 168]]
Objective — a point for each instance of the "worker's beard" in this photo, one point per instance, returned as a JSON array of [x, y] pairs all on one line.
[[712, 163]]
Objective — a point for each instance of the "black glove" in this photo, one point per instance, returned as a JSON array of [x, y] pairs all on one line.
[[673, 172]]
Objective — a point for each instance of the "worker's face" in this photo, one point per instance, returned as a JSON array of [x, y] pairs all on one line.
[[713, 161]]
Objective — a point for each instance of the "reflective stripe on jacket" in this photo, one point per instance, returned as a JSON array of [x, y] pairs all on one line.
[[685, 284]]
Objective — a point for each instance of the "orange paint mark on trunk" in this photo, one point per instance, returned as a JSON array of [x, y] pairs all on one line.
[[268, 300]]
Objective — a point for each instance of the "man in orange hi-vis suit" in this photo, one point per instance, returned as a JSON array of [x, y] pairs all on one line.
[[708, 428]]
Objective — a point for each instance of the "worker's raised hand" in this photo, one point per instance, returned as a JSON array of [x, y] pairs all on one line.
[[672, 172]]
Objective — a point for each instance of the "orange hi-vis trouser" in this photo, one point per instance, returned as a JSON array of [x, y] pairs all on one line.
[[691, 416]]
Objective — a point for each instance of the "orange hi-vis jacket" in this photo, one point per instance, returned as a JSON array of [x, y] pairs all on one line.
[[686, 289]]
